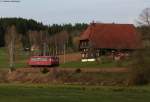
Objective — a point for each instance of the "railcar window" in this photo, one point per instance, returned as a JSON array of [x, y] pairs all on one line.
[[39, 59]]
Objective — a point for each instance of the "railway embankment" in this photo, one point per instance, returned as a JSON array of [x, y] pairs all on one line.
[[84, 76]]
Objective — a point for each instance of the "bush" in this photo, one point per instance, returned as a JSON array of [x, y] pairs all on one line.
[[105, 60], [78, 70], [140, 68], [45, 70], [12, 69]]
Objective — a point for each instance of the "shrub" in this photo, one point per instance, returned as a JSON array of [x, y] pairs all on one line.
[[140, 68], [78, 70], [45, 70], [12, 69], [105, 60]]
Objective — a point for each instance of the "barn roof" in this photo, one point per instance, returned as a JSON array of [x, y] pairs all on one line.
[[113, 36]]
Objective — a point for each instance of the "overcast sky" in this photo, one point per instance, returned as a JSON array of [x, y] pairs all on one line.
[[72, 11]]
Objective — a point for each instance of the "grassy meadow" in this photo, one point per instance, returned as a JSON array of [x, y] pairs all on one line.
[[46, 93], [21, 59]]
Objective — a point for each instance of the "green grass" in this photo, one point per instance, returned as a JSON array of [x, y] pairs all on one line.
[[20, 60], [46, 93], [106, 64]]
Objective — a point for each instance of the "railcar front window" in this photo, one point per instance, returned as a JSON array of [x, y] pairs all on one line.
[[38, 59]]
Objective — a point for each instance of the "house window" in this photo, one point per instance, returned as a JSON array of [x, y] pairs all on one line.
[[92, 55], [83, 55], [84, 50], [82, 43]]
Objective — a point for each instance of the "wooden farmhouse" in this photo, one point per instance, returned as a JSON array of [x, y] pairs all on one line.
[[116, 40]]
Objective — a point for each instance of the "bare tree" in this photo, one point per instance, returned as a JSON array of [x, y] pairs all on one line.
[[144, 18], [10, 39], [34, 38], [39, 42], [140, 69]]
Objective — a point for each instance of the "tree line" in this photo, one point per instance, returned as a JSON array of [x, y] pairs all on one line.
[[24, 26]]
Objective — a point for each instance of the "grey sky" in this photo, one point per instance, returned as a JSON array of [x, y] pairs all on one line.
[[71, 11]]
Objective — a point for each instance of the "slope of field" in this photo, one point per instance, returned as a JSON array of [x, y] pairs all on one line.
[[70, 57], [101, 77], [41, 93]]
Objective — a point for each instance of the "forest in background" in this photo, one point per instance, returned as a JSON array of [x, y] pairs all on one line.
[[31, 32]]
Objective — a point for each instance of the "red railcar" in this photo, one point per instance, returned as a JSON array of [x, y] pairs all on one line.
[[43, 61]]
